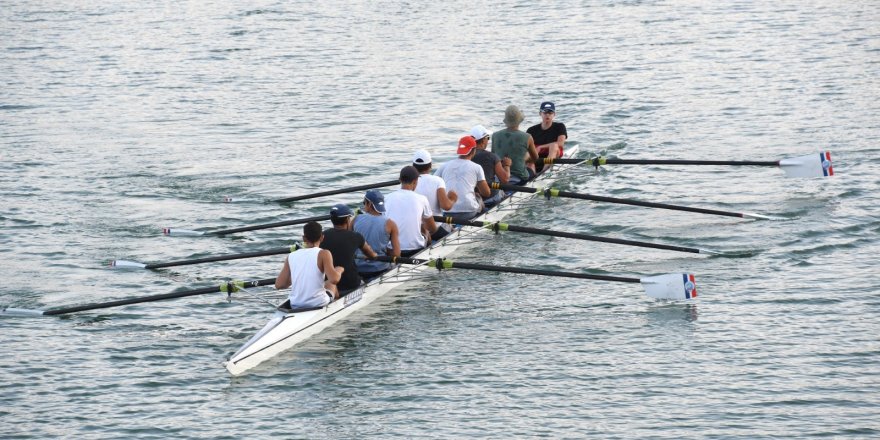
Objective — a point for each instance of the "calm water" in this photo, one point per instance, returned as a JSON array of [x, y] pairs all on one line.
[[119, 118]]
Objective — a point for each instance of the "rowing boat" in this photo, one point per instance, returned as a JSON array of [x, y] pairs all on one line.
[[286, 329]]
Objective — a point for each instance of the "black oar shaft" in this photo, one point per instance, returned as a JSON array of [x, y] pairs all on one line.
[[298, 221], [337, 191], [598, 161], [278, 251], [562, 234], [556, 193], [446, 264], [143, 299]]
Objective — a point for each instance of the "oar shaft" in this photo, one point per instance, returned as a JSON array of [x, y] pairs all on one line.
[[241, 256], [151, 298], [447, 264], [598, 161], [562, 234], [337, 191], [298, 221]]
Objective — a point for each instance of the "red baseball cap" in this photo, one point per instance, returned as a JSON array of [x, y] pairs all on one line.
[[466, 144]]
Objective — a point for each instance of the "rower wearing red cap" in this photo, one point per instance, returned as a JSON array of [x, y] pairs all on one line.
[[465, 177]]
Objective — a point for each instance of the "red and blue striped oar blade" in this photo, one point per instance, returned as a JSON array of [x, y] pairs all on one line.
[[811, 165], [670, 286]]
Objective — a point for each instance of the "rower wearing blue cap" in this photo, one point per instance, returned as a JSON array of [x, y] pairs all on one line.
[[549, 136], [379, 231], [342, 243]]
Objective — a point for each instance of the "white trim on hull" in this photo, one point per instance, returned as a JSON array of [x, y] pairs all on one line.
[[285, 330]]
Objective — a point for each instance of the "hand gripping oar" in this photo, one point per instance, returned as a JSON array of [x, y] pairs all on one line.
[[337, 191], [496, 226], [811, 165], [177, 232], [127, 264], [667, 286], [553, 192], [227, 287]]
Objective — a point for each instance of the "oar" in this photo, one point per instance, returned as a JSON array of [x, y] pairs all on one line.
[[496, 226], [127, 264], [337, 191], [811, 165], [226, 287], [177, 232], [666, 286], [553, 192]]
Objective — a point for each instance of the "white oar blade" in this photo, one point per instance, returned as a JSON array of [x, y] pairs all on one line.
[[126, 264], [12, 311], [670, 286], [811, 165], [174, 232]]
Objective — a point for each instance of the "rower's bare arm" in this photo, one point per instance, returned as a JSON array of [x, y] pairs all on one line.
[[446, 198], [325, 265], [429, 224], [502, 170], [483, 188], [391, 229], [533, 151], [283, 279], [368, 251]]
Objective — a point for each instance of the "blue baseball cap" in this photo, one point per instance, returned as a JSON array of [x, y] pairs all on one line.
[[340, 211], [376, 199], [548, 107]]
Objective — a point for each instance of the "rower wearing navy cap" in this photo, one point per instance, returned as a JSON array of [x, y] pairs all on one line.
[[342, 243], [379, 231], [549, 136]]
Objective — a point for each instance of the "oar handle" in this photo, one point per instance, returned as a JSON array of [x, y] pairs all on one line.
[[337, 191]]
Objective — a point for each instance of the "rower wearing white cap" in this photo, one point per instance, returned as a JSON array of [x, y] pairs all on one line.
[[379, 231], [411, 212], [434, 189], [495, 168], [464, 177], [342, 243]]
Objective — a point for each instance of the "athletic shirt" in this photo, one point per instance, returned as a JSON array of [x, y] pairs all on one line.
[[487, 160], [407, 208], [515, 145], [461, 176], [372, 227], [307, 282], [547, 136], [342, 244], [427, 187]]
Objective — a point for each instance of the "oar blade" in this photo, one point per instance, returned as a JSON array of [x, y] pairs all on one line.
[[126, 264], [670, 286], [175, 232], [811, 165], [14, 311]]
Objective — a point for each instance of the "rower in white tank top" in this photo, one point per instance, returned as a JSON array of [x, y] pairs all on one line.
[[307, 281]]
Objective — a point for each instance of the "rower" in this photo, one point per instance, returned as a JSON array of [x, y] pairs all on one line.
[[495, 168], [379, 231], [549, 136], [305, 269], [516, 144], [342, 242], [434, 189], [463, 176], [411, 212]]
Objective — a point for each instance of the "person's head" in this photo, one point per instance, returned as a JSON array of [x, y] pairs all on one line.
[[340, 215], [409, 177], [513, 116], [422, 161], [481, 135], [312, 232], [467, 147], [548, 112], [374, 201]]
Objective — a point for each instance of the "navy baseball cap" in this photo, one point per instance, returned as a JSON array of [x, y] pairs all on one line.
[[548, 107], [376, 198], [340, 211]]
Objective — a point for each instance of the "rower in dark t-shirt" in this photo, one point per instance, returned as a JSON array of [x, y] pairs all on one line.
[[342, 243]]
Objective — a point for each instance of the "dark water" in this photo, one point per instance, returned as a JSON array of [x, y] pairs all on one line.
[[119, 119]]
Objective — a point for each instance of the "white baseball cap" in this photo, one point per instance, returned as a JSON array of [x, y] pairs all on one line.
[[479, 132], [421, 157]]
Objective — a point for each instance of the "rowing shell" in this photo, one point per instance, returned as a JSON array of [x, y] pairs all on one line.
[[285, 330]]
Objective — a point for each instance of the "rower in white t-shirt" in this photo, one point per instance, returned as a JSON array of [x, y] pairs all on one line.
[[466, 178], [411, 212], [434, 189]]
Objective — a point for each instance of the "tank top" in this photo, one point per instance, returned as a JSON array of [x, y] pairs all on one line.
[[515, 145], [307, 282], [372, 227]]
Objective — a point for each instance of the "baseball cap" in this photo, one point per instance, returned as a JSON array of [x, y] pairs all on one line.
[[479, 132], [376, 199], [409, 174], [548, 107], [466, 144], [339, 211], [421, 157]]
